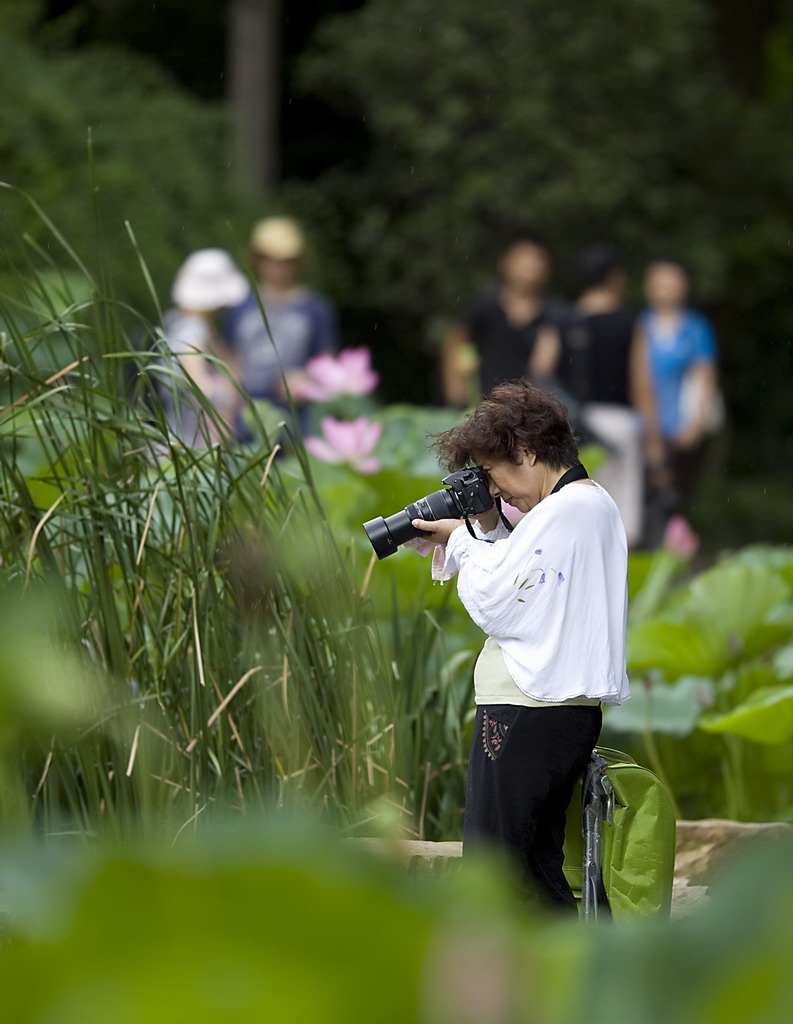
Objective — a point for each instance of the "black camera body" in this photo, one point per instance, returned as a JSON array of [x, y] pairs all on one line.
[[466, 494]]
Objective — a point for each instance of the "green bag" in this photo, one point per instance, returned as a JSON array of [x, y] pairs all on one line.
[[620, 840]]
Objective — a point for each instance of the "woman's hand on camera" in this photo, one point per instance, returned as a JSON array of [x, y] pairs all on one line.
[[440, 529]]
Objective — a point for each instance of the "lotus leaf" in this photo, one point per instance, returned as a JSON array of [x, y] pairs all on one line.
[[783, 662], [765, 717], [731, 602], [676, 648], [671, 708]]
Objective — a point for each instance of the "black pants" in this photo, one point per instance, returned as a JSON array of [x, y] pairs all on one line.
[[525, 763]]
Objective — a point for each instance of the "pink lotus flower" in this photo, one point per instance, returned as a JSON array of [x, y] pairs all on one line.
[[329, 376], [350, 442], [679, 538]]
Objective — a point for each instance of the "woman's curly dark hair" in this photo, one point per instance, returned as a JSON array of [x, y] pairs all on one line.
[[515, 418]]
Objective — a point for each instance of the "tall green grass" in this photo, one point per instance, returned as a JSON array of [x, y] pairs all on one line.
[[241, 663]]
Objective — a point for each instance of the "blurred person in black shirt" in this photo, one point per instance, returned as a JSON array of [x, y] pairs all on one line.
[[512, 331], [605, 367]]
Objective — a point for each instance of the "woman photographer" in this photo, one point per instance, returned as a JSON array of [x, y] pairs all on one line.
[[552, 598]]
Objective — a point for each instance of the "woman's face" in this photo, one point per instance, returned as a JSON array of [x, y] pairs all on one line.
[[666, 285], [521, 485]]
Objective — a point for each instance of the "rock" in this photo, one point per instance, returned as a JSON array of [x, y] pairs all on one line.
[[420, 857], [686, 898], [706, 848]]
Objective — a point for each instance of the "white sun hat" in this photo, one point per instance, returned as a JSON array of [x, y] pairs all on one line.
[[208, 279]]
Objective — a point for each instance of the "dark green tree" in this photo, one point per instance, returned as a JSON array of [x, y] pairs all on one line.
[[618, 121], [160, 156], [612, 121]]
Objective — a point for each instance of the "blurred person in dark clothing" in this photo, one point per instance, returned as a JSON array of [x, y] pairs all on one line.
[[682, 356], [605, 368], [512, 331]]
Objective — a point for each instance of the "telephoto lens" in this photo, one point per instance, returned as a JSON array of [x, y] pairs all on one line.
[[466, 495]]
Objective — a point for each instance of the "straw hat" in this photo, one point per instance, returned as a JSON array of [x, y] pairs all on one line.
[[208, 279], [280, 238]]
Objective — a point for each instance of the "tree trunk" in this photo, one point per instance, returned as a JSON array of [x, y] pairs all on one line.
[[743, 27], [253, 74]]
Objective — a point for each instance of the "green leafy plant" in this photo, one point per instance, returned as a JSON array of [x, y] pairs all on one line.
[[713, 655]]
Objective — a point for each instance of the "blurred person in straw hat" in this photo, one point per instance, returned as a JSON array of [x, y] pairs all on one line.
[[302, 324], [206, 282]]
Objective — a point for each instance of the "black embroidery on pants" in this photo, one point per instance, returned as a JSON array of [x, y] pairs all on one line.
[[494, 736]]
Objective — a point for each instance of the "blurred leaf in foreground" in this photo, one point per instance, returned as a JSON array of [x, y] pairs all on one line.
[[234, 927], [45, 682]]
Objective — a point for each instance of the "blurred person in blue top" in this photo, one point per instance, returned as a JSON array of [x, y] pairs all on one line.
[[683, 354], [302, 323]]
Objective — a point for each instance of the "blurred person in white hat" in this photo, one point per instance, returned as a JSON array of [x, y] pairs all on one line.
[[206, 282], [302, 324]]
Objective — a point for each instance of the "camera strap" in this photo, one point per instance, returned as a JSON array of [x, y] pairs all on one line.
[[503, 518], [577, 472]]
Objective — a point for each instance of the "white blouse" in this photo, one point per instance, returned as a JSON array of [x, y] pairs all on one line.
[[553, 595]]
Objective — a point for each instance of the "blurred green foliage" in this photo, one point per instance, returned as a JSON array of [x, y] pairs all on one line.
[[159, 157], [243, 926]]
